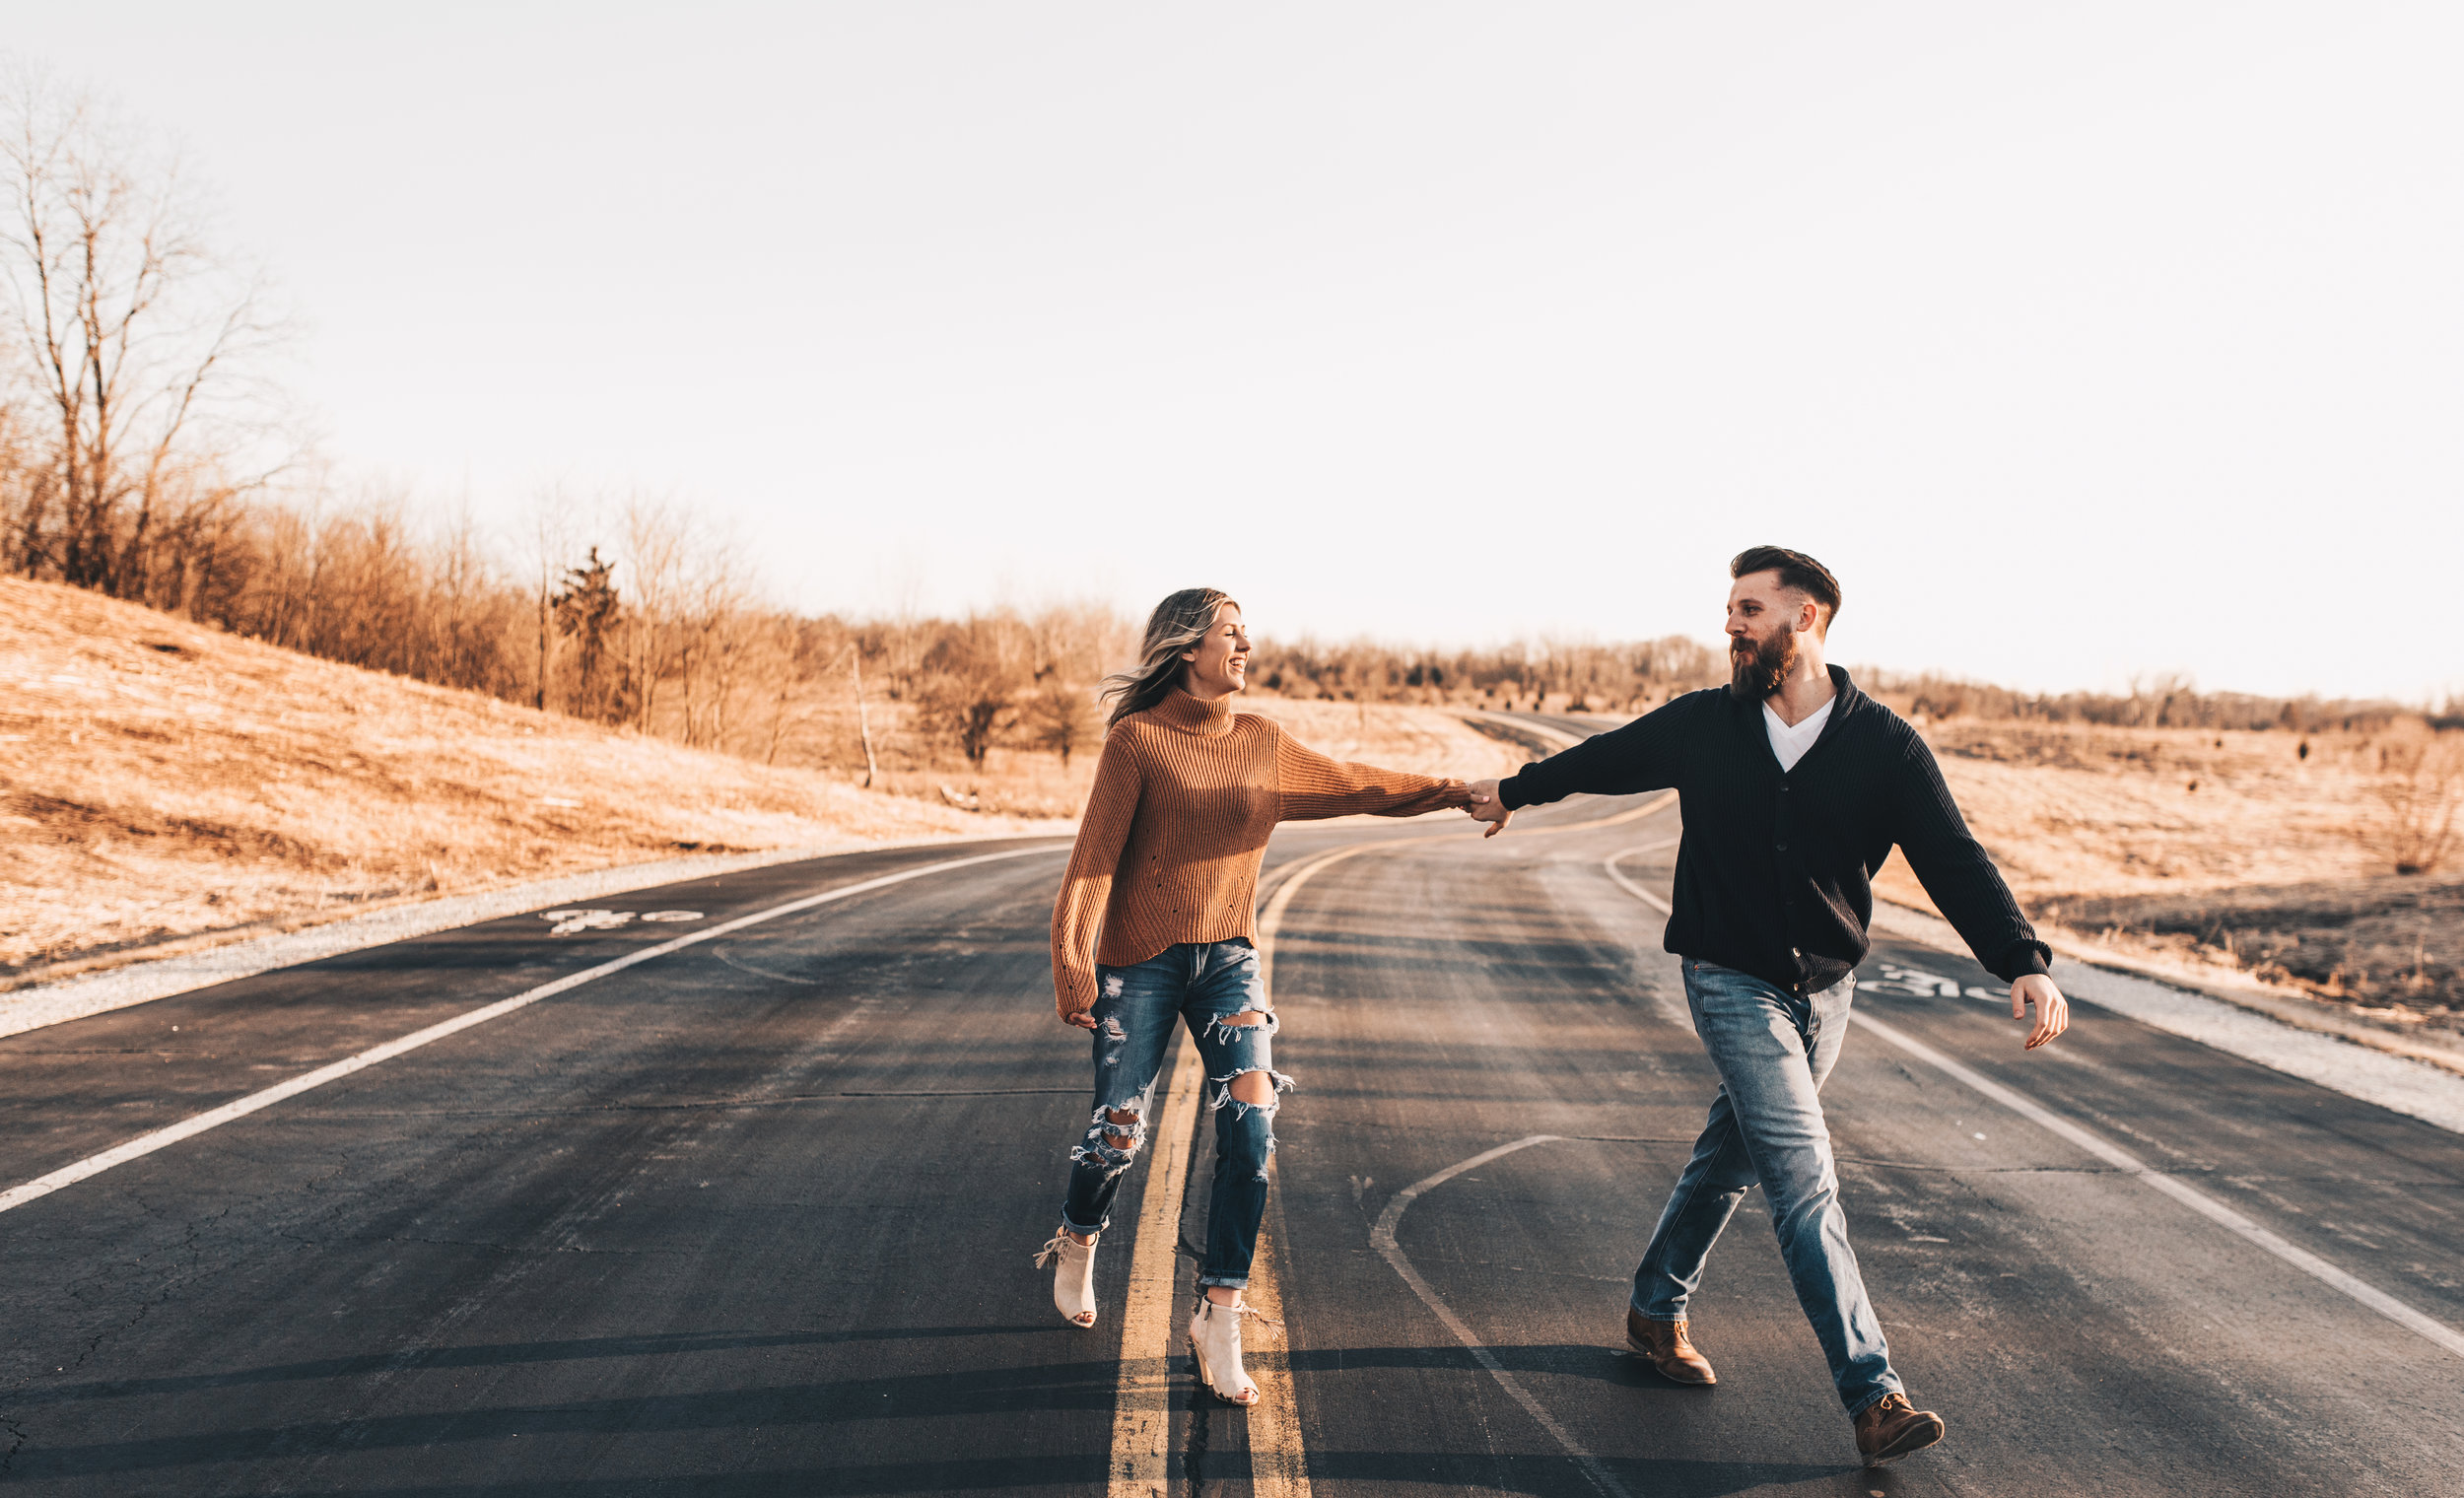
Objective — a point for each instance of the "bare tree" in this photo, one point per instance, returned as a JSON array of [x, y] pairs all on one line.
[[551, 543], [971, 680], [863, 717], [1060, 718], [146, 348]]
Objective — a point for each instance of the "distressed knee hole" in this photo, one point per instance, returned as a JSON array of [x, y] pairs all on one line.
[[1245, 1025], [1112, 1140], [1251, 1087]]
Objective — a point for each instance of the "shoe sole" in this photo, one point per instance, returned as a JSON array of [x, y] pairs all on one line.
[[1915, 1439], [1643, 1352]]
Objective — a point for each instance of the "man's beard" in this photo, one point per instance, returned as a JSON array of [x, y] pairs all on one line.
[[1756, 670]]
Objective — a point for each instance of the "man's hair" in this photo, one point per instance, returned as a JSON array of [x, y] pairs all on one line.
[[1797, 570]]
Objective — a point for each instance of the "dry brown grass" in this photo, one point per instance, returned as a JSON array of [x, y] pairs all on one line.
[[2224, 847], [162, 784], [162, 780]]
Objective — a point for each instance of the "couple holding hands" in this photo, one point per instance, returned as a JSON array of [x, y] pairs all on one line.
[[1794, 788]]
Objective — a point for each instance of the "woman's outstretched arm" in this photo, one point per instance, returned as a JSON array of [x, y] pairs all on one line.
[[1312, 786], [1078, 910]]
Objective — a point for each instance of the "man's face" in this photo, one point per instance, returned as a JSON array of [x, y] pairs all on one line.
[[1763, 619]]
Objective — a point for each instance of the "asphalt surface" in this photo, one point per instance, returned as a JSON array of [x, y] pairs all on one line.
[[755, 1218]]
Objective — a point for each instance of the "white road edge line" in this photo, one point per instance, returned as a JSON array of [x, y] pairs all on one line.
[[1382, 1238], [2394, 1310], [2188, 1196], [240, 1108]]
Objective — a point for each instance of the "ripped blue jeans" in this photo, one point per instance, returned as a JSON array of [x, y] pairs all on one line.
[[1200, 984]]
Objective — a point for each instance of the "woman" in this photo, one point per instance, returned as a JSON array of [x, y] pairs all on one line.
[[1155, 923]]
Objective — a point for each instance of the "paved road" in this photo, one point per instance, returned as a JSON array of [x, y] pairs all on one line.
[[754, 1217]]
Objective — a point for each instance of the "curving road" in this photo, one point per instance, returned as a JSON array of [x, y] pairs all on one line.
[[754, 1216]]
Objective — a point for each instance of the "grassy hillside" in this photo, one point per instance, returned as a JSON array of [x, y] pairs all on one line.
[[161, 782], [164, 785]]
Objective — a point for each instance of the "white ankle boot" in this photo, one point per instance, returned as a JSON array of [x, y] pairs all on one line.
[[1215, 1336], [1073, 1280]]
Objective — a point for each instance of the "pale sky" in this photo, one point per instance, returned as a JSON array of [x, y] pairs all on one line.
[[2081, 340]]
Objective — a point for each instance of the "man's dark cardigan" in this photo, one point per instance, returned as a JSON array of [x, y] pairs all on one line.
[[1774, 875]]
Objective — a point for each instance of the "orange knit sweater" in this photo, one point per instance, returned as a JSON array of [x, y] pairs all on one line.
[[1185, 798]]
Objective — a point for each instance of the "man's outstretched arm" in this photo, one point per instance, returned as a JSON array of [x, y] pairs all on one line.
[[1628, 761]]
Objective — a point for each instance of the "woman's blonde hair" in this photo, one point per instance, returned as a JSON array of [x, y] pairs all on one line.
[[1180, 622]]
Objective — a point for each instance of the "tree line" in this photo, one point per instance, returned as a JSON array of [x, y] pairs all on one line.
[[149, 450]]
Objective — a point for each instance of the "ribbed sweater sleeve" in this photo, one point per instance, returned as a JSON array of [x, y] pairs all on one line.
[[1958, 872], [1313, 787], [1641, 756], [1112, 805]]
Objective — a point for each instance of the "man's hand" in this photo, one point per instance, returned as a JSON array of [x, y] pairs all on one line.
[[1084, 1019], [2053, 1011], [1485, 807]]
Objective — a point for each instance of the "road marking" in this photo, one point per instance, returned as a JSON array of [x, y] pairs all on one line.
[[2188, 1196], [1382, 1238], [2128, 1164], [1628, 885], [1279, 1465], [1141, 1412], [1663, 799], [1278, 1458], [240, 1108], [1271, 920]]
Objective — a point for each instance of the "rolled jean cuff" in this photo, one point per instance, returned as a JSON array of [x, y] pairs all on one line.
[[1223, 1281], [1075, 1228], [1876, 1398]]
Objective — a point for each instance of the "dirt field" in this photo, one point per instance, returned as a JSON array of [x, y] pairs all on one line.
[[2237, 850]]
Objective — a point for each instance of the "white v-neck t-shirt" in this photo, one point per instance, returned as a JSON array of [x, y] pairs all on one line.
[[1788, 744]]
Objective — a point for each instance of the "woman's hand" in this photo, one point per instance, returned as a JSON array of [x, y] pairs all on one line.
[[1487, 808], [1084, 1019]]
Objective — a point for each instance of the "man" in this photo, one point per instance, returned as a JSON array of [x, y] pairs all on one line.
[[1794, 786]]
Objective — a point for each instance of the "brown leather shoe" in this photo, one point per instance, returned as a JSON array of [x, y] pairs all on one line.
[[1664, 1343], [1889, 1428]]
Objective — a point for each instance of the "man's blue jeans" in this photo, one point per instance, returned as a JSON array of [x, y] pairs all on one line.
[[1773, 1048], [1137, 1009]]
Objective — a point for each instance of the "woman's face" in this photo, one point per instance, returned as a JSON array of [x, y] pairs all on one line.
[[1218, 664]]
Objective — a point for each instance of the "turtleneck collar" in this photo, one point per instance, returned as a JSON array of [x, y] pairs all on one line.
[[1207, 720]]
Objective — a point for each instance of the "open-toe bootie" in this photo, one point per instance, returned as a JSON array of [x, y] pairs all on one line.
[[1074, 1278], [1215, 1336]]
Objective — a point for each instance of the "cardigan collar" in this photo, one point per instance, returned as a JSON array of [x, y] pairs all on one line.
[[1846, 702], [1207, 720]]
